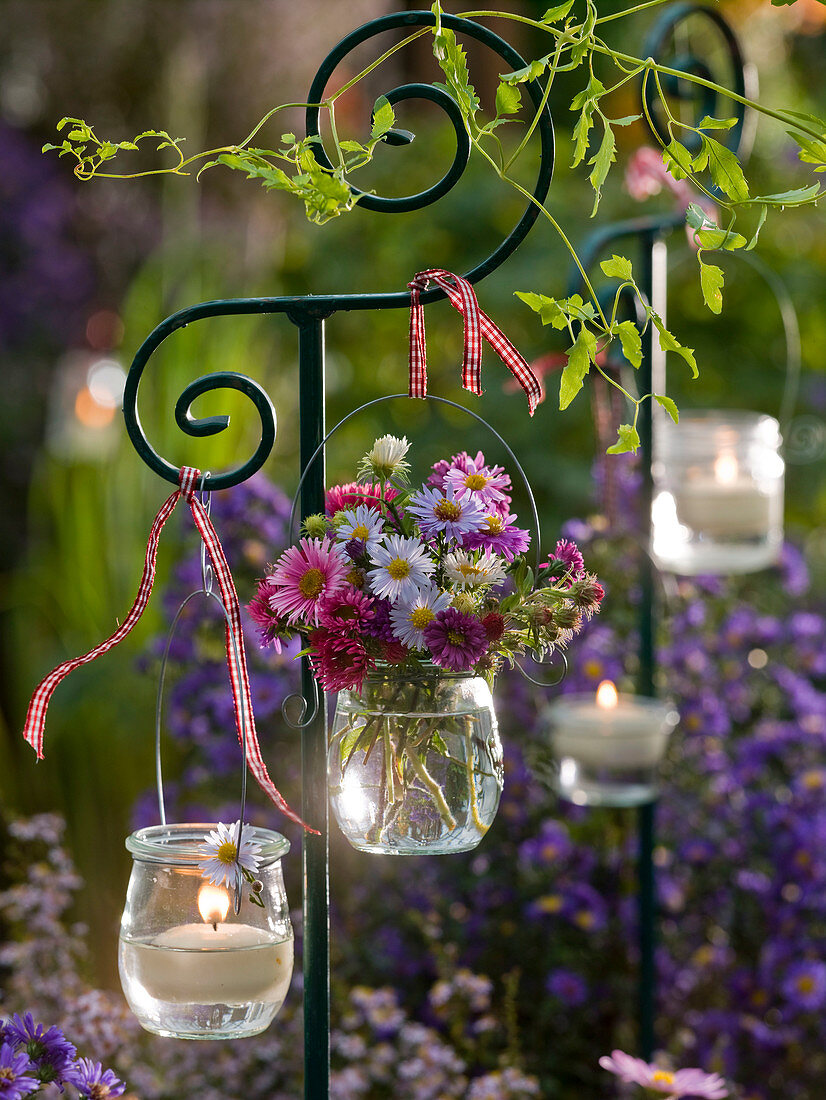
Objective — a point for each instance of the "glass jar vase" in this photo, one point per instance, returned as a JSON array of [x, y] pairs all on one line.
[[190, 967], [718, 493], [415, 763]]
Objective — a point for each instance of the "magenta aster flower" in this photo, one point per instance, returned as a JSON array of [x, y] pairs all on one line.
[[487, 484], [338, 498], [16, 1074], [272, 629], [447, 511], [94, 1082], [303, 574], [499, 534], [340, 662], [680, 1083], [456, 640], [345, 610], [567, 560]]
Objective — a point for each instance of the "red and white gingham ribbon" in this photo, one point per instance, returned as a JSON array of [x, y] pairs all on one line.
[[478, 326], [188, 480]]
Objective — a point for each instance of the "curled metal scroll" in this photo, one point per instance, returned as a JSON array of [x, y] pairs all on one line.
[[406, 92], [668, 44], [311, 308], [307, 711]]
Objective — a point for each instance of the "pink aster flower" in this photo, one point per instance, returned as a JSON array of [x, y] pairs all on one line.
[[345, 610], [500, 535], [487, 484], [340, 662], [338, 498], [567, 560], [448, 511], [680, 1083], [456, 640], [303, 574]]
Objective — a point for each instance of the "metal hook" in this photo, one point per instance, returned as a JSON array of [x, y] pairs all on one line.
[[545, 664], [207, 573], [304, 719]]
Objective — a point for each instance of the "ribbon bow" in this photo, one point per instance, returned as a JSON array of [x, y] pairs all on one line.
[[188, 480], [477, 326]]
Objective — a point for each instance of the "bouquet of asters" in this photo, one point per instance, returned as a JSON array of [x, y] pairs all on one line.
[[415, 578]]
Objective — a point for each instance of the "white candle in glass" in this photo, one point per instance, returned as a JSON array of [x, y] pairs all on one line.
[[611, 730], [727, 504], [212, 962]]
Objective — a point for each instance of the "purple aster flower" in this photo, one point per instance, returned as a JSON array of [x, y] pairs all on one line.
[[567, 986], [487, 484], [461, 461], [500, 535], [683, 1082], [380, 626], [49, 1049], [16, 1080], [805, 984], [94, 1082], [448, 511], [456, 640]]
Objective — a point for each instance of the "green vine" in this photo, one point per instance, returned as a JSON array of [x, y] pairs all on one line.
[[575, 44]]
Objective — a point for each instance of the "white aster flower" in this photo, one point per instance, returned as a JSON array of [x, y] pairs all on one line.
[[474, 569], [402, 567], [386, 459], [410, 617], [360, 523], [224, 858]]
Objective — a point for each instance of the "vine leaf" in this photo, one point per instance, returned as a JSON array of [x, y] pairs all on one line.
[[796, 197], [677, 160], [548, 309], [384, 118], [453, 63], [580, 357], [585, 102], [711, 282], [629, 440], [553, 15], [812, 150], [530, 71], [724, 168], [714, 238], [508, 99], [602, 162], [709, 123], [669, 406], [631, 342], [669, 342], [618, 267]]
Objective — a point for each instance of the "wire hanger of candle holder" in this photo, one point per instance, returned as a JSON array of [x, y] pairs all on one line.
[[206, 590]]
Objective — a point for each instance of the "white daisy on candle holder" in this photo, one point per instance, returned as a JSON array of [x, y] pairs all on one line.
[[226, 861]]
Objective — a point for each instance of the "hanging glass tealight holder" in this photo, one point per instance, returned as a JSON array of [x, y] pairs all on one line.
[[199, 960], [192, 967], [718, 493]]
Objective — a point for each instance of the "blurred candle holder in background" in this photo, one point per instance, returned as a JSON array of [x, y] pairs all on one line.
[[190, 967], [718, 493], [608, 747]]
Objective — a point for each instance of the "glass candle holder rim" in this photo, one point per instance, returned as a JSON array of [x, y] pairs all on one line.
[[573, 706], [179, 844], [741, 420]]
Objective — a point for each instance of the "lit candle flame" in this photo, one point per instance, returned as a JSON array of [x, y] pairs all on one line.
[[213, 902], [607, 696], [726, 469]]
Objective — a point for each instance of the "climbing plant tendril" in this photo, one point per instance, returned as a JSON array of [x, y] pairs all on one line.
[[696, 151]]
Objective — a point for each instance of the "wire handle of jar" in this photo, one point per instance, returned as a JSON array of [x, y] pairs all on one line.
[[442, 401]]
